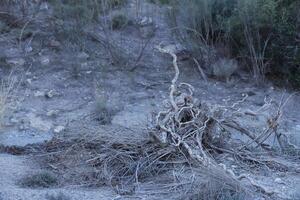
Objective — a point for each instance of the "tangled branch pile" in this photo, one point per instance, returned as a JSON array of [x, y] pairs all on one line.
[[184, 155]]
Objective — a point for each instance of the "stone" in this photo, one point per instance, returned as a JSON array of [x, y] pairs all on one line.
[[145, 21], [52, 113], [14, 121], [16, 61], [59, 129], [28, 49], [279, 181], [29, 81], [51, 93], [39, 94], [54, 44], [44, 6], [44, 60], [83, 56]]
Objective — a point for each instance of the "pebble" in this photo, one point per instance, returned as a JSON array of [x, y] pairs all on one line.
[[16, 61], [83, 56], [145, 21], [52, 113], [54, 44], [52, 93], [44, 60], [279, 181], [39, 94], [59, 129]]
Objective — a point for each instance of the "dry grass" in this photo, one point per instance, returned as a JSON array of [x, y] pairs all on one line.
[[6, 88], [182, 157]]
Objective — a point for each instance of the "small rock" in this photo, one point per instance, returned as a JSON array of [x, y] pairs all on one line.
[[28, 73], [16, 61], [145, 21], [52, 113], [51, 94], [59, 129], [39, 94], [279, 181], [28, 49], [83, 56], [54, 44], [22, 127], [29, 81], [44, 60], [44, 6], [14, 120]]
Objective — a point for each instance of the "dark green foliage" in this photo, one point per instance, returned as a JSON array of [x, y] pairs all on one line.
[[259, 32], [73, 16], [40, 180], [119, 21], [164, 2]]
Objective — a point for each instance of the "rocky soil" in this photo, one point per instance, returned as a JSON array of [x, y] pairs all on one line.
[[53, 99]]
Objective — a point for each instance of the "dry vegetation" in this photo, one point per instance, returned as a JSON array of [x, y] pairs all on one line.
[[184, 155], [260, 34], [186, 150], [7, 85]]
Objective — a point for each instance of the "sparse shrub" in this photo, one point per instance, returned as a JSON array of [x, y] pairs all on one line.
[[59, 196], [160, 1], [295, 78], [40, 180], [224, 68], [103, 112], [6, 88], [261, 33], [116, 3], [72, 16], [119, 21]]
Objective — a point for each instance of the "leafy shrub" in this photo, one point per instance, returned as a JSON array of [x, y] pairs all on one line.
[[261, 33]]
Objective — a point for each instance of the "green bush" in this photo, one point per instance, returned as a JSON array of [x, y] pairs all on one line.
[[261, 33]]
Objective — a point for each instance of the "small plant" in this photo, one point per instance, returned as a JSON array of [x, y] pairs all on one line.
[[163, 2], [59, 196], [40, 180], [6, 89], [116, 3], [224, 68], [119, 22], [103, 112]]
